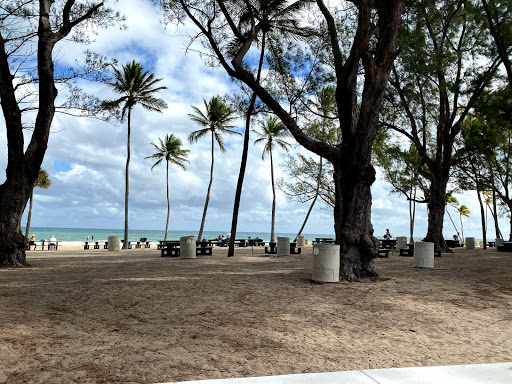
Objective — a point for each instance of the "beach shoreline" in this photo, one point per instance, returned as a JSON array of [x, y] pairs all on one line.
[[134, 317]]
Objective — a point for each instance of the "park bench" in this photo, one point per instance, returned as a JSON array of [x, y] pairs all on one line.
[[383, 252]]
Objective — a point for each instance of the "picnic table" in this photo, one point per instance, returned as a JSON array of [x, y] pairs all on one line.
[[387, 243], [326, 240]]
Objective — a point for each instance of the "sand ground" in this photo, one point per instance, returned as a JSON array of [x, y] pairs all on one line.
[[133, 317]]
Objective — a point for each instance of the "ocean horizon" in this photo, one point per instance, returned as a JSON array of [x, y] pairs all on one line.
[[80, 234], [153, 235]]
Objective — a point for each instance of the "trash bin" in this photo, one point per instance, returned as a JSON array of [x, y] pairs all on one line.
[[326, 263], [283, 246], [300, 241], [470, 243], [499, 242], [424, 254], [401, 242], [113, 243], [187, 247]]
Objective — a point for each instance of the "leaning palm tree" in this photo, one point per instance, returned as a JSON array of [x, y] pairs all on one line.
[[463, 211], [274, 131], [42, 181], [169, 150], [452, 201], [136, 87], [215, 122]]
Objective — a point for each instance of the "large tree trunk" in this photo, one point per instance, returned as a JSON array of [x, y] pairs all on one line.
[[127, 182], [436, 208], [200, 235], [23, 167], [352, 221]]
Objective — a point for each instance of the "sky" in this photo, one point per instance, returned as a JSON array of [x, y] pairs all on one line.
[[86, 157]]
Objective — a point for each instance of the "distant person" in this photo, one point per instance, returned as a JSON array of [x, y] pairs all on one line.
[[92, 238], [87, 238], [387, 235], [52, 239], [32, 241], [456, 237]]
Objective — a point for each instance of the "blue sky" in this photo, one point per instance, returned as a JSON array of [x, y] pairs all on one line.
[[86, 157]]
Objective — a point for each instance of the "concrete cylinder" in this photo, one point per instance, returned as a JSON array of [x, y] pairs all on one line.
[[470, 243], [283, 246], [300, 241], [187, 247], [401, 242], [306, 242], [113, 243], [499, 242], [424, 254], [326, 263]]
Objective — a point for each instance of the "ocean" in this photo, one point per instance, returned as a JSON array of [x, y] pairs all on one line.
[[80, 234]]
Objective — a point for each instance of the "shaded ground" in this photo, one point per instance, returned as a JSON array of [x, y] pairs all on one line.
[[134, 317]]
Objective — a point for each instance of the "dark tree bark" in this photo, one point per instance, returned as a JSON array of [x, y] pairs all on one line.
[[23, 166], [241, 176], [354, 173]]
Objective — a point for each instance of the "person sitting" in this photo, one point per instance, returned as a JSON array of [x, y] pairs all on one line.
[[387, 235], [456, 237], [52, 240], [32, 241]]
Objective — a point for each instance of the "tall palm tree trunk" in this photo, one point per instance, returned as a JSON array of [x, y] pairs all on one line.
[[450, 216], [127, 185], [241, 176], [200, 235], [314, 199], [29, 218], [495, 216], [168, 204], [461, 228], [272, 228]]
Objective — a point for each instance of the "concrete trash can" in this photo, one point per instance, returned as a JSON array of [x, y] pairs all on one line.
[[424, 254], [306, 242], [113, 243], [499, 242], [401, 242], [326, 263], [300, 241], [470, 243], [187, 247], [283, 246]]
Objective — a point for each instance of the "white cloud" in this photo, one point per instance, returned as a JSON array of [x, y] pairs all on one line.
[[91, 193]]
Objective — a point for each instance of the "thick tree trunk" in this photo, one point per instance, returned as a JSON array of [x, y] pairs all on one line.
[[436, 208], [13, 200], [127, 182], [200, 235], [352, 220]]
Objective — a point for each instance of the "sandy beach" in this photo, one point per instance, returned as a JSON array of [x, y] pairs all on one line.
[[93, 316]]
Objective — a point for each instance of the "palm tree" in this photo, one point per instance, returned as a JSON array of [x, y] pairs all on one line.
[[42, 181], [274, 131], [275, 21], [463, 211], [136, 87], [452, 201], [169, 150], [216, 122]]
